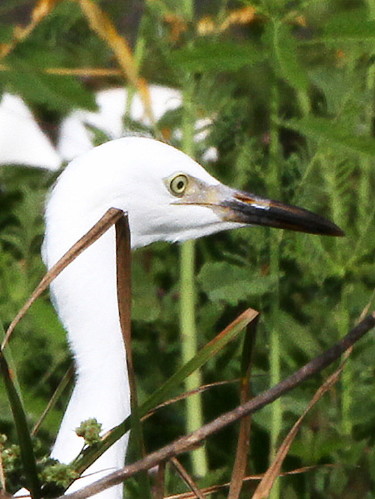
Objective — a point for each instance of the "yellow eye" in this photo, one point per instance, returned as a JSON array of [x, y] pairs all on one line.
[[178, 184]]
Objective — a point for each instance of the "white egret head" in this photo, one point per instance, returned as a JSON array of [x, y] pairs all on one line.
[[167, 195]]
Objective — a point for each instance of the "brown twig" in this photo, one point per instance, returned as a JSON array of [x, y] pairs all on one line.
[[124, 299], [195, 438], [187, 478], [251, 478]]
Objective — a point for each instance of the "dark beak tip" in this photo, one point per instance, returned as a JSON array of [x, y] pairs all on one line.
[[326, 230], [334, 230], [251, 210], [340, 233]]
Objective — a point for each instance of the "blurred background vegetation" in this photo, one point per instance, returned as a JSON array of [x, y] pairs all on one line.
[[288, 87]]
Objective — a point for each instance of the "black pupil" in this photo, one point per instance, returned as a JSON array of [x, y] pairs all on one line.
[[180, 185]]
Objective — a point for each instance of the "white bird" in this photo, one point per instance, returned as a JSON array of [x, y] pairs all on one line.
[[75, 136], [168, 197], [22, 141]]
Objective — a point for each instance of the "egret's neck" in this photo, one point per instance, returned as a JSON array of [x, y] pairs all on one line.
[[85, 297]]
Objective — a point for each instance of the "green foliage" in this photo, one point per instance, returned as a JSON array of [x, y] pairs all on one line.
[[216, 56], [333, 135], [291, 97], [53, 92], [285, 56], [227, 283]]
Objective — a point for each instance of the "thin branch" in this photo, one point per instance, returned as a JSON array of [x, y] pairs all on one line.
[[195, 438], [158, 486]]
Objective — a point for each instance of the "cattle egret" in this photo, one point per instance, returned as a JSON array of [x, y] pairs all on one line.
[[168, 197]]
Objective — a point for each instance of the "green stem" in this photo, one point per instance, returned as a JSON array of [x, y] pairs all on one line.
[[188, 9], [347, 374], [304, 102], [275, 347], [365, 197], [188, 330]]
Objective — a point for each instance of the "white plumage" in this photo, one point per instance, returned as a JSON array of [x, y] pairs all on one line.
[[21, 139]]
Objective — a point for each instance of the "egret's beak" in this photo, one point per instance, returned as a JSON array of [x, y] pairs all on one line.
[[250, 209], [232, 205]]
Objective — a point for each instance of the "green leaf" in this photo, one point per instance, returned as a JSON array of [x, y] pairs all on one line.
[[28, 77], [296, 335], [57, 93], [333, 134], [228, 283], [350, 26], [145, 304], [24, 437], [284, 48], [217, 56]]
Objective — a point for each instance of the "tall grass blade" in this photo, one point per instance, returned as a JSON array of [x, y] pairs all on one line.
[[243, 444], [55, 397]]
